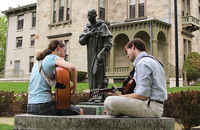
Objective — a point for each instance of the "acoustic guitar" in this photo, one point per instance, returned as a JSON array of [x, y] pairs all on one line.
[[62, 95], [127, 88]]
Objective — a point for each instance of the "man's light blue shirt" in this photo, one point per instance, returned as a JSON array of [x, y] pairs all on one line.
[[150, 78], [39, 91]]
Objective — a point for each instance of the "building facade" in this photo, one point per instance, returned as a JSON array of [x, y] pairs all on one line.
[[152, 21], [20, 45]]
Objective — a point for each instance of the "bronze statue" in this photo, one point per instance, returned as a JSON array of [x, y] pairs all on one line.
[[98, 39]]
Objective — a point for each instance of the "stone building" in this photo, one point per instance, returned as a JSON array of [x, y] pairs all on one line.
[[20, 47], [152, 21]]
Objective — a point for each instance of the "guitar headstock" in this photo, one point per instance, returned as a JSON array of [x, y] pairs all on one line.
[[94, 93]]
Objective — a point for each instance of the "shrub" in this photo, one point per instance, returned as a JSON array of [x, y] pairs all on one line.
[[1, 68], [79, 97], [197, 84], [184, 107], [192, 66], [81, 76], [23, 101], [6, 98]]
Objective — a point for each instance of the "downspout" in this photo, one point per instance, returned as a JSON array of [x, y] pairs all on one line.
[[151, 46]]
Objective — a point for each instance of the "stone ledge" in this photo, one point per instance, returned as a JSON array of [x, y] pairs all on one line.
[[91, 122], [91, 108]]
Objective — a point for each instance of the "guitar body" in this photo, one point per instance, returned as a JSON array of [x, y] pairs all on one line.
[[62, 95], [129, 88]]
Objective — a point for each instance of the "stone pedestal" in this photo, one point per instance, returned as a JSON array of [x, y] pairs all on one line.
[[91, 108], [91, 122]]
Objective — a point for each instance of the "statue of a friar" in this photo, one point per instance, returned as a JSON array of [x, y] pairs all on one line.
[[98, 39]]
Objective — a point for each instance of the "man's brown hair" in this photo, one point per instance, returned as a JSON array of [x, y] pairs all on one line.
[[138, 43]]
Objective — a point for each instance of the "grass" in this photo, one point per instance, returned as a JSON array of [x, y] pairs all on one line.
[[178, 89], [6, 127], [20, 87]]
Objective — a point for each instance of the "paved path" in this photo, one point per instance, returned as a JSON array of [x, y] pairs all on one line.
[[7, 120]]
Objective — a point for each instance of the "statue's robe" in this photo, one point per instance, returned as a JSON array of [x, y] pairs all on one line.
[[103, 37]]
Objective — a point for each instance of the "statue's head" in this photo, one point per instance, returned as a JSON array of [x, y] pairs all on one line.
[[92, 13]]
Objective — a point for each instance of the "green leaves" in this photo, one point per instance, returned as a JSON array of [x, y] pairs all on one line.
[[192, 66], [3, 35]]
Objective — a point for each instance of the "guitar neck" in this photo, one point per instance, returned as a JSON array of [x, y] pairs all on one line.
[[107, 90]]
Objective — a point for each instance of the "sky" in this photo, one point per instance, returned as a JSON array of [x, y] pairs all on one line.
[[5, 4]]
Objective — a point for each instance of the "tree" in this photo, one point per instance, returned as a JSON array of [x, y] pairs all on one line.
[[3, 35], [192, 66]]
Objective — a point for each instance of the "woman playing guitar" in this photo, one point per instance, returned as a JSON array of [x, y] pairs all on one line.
[[40, 99]]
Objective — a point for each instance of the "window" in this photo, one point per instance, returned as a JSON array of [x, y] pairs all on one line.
[[187, 47], [19, 42], [20, 22], [199, 8], [32, 40], [136, 8], [66, 48], [68, 10], [132, 9], [33, 19], [102, 9], [199, 11], [31, 63], [54, 10], [62, 10], [141, 8], [17, 68], [185, 7], [188, 7]]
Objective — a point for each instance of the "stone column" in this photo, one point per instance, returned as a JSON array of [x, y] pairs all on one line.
[[112, 62], [154, 47], [165, 52], [112, 58]]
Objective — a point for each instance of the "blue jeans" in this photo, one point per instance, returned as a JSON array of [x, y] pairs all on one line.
[[50, 109]]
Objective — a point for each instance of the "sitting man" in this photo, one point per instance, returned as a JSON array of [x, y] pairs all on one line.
[[150, 91]]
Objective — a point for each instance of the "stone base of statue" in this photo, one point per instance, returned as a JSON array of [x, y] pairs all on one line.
[[91, 108], [98, 97]]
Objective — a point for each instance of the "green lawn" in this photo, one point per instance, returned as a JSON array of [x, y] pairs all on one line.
[[20, 87], [178, 89], [6, 127]]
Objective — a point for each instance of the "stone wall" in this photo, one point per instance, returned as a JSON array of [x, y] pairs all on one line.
[[117, 13]]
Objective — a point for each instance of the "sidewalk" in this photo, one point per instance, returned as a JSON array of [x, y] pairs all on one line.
[[7, 120]]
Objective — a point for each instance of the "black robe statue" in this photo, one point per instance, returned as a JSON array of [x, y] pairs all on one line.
[[96, 63]]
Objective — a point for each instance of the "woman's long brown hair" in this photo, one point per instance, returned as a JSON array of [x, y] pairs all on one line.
[[51, 47]]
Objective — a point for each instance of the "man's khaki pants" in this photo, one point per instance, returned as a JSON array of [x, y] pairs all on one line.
[[118, 105]]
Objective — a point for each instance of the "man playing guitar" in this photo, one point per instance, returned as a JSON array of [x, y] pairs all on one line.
[[150, 91]]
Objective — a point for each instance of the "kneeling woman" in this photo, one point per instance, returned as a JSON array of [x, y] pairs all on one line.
[[40, 98]]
